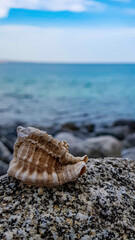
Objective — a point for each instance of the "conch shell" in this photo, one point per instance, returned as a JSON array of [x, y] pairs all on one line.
[[41, 160]]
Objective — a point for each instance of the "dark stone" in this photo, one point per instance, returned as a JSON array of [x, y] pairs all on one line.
[[70, 125], [3, 168], [124, 122], [119, 132], [9, 142], [5, 154], [90, 127]]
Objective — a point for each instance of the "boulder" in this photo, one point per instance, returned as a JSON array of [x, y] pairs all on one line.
[[5, 154], [99, 205], [125, 122], [102, 147], [94, 147], [129, 153], [129, 141], [90, 127], [8, 134], [70, 125], [119, 132], [75, 143], [3, 168], [9, 142]]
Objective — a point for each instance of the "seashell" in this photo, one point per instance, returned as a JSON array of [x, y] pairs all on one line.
[[41, 160]]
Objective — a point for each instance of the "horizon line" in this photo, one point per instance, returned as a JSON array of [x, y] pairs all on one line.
[[45, 62]]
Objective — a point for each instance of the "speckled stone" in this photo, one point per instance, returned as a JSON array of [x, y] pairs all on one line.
[[99, 205]]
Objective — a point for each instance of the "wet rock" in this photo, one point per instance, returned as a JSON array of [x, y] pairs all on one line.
[[129, 141], [119, 132], [102, 147], [5, 154], [125, 122], [90, 127], [129, 153], [99, 205], [70, 125], [3, 168]]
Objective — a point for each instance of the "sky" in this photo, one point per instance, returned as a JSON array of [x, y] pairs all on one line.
[[67, 31]]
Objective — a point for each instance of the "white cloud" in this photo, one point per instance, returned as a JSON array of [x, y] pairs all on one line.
[[3, 12], [51, 5], [36, 44]]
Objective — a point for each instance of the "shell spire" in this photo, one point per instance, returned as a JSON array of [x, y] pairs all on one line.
[[41, 160]]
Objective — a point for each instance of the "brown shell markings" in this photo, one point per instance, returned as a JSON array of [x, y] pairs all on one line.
[[41, 160]]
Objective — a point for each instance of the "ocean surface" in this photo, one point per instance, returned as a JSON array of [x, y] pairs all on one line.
[[49, 94]]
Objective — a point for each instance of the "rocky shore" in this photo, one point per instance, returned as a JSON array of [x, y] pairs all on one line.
[[100, 205], [115, 140]]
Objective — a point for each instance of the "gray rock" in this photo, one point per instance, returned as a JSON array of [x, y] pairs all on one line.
[[94, 147], [5, 154], [119, 132], [129, 153], [129, 141], [101, 205], [8, 142], [105, 146], [75, 143], [125, 122], [3, 168]]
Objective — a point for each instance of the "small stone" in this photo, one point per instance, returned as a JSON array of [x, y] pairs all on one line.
[[85, 237], [9, 235], [40, 191], [81, 216]]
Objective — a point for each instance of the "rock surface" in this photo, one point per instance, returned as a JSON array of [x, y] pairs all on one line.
[[103, 146], [5, 154], [3, 168], [125, 122], [76, 145], [119, 132], [129, 153], [129, 141], [100, 205]]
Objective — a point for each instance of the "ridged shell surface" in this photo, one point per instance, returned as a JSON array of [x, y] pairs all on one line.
[[41, 160]]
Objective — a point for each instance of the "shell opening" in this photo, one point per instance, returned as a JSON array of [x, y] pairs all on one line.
[[83, 169], [85, 158]]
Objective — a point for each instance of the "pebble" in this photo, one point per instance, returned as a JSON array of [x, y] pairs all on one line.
[[9, 235]]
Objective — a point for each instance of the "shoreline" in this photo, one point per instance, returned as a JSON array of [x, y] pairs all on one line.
[[112, 140]]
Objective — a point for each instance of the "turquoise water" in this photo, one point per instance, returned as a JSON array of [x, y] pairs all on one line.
[[55, 93]]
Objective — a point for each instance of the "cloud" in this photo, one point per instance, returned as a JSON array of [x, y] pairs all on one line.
[[36, 44], [51, 5]]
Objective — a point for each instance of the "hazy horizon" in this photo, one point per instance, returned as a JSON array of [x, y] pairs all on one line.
[[83, 63]]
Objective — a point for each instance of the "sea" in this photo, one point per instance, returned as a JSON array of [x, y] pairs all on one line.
[[50, 94]]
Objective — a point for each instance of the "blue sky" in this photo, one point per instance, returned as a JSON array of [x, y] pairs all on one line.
[[67, 30]]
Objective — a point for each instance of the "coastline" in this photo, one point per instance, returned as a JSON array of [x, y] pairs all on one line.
[[115, 140]]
